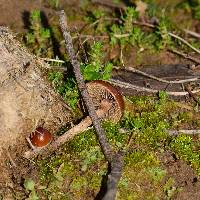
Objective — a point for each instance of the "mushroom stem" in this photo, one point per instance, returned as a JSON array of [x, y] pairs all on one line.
[[82, 126]]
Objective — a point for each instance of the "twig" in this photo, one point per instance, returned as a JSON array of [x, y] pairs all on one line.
[[184, 41], [68, 135], [10, 158], [173, 35], [143, 89], [90, 36], [127, 35], [64, 69], [153, 26], [114, 177], [103, 19], [187, 132], [192, 33], [197, 61], [82, 87], [121, 55], [144, 24], [131, 69], [114, 159], [50, 66], [53, 60], [169, 33]]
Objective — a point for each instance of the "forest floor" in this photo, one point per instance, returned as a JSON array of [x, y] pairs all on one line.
[[160, 38]]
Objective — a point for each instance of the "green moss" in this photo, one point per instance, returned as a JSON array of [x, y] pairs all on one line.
[[141, 159], [182, 145], [78, 183], [185, 117], [38, 38], [90, 157], [77, 168], [142, 170], [156, 173], [82, 142], [170, 189], [150, 122]]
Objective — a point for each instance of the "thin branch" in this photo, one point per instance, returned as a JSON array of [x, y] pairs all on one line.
[[131, 69], [174, 35], [82, 87], [169, 33], [115, 159], [90, 36], [192, 33], [184, 41], [122, 84], [153, 26], [103, 19], [195, 60], [11, 159], [48, 66], [53, 60], [144, 24], [68, 135], [187, 132]]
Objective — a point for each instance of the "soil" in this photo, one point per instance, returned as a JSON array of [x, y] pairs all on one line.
[[14, 14], [185, 179]]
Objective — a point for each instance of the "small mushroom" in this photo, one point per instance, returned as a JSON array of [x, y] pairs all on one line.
[[102, 91], [40, 138]]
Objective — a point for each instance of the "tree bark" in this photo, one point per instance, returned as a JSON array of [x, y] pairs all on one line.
[[27, 99]]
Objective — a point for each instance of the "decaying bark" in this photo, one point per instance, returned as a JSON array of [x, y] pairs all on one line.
[[26, 98]]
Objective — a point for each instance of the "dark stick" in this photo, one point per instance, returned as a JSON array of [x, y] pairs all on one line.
[[114, 159], [114, 177], [82, 87]]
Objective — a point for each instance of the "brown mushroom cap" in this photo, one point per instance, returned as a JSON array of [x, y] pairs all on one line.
[[41, 137], [101, 90]]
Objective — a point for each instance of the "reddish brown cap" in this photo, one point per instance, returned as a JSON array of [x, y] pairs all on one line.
[[101, 90], [41, 137]]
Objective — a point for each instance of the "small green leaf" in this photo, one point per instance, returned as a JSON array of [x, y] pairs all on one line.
[[29, 184]]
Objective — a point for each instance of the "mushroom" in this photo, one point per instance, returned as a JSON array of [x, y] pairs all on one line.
[[108, 103], [101, 92]]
